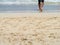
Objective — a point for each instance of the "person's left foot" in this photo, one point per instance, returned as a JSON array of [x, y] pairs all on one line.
[[41, 9]]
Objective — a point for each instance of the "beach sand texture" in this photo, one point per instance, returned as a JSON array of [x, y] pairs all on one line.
[[30, 30]]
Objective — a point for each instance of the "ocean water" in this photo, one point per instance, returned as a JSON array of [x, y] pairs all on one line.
[[30, 7], [26, 5], [24, 1]]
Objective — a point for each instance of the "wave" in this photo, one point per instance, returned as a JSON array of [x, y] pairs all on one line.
[[24, 1], [18, 3]]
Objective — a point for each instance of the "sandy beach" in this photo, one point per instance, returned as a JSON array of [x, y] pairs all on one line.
[[30, 28]]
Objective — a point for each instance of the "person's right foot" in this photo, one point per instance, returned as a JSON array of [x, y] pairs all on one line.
[[41, 10]]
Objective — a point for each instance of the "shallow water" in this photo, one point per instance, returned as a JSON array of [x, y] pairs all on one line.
[[30, 7]]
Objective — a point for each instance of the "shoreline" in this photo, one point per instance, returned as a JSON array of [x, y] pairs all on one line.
[[42, 14]]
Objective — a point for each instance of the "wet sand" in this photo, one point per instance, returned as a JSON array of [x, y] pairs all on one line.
[[29, 28]]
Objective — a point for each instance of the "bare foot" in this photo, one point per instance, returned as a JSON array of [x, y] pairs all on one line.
[[41, 9]]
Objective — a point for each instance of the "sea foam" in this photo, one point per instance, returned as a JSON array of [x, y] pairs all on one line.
[[24, 1]]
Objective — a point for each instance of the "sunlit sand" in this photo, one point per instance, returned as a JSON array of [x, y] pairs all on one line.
[[29, 28]]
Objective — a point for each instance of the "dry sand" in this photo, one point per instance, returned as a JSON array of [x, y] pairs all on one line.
[[29, 29]]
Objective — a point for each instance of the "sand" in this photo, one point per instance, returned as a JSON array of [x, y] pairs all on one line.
[[29, 28]]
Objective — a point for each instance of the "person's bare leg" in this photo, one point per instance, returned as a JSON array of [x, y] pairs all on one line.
[[41, 6]]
